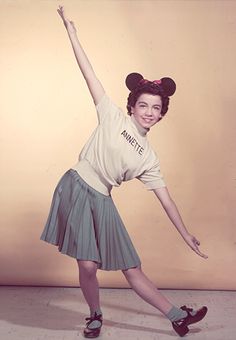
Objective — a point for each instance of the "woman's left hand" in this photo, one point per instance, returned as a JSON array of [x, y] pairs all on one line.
[[194, 243]]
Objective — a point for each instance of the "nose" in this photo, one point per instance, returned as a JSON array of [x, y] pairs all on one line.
[[149, 112]]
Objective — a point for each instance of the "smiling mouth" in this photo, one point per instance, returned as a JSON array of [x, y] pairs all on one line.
[[147, 120]]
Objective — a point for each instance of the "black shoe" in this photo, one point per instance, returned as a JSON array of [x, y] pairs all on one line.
[[180, 326], [93, 332]]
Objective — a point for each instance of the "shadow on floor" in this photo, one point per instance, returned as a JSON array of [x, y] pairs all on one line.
[[59, 309]]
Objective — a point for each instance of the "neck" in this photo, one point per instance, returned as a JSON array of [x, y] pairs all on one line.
[[142, 130]]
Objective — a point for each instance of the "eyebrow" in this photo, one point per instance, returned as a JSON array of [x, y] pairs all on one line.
[[141, 102]]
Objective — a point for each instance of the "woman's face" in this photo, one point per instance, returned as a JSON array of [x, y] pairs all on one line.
[[147, 110]]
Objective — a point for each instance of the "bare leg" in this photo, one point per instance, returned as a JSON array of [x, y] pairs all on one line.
[[146, 289], [89, 283]]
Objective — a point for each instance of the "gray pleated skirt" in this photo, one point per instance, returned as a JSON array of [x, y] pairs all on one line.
[[86, 225]]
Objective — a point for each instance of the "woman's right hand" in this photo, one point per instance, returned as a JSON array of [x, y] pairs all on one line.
[[95, 87], [68, 24]]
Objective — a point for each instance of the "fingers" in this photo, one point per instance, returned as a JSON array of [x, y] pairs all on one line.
[[62, 14], [196, 243], [61, 11], [61, 8], [200, 253]]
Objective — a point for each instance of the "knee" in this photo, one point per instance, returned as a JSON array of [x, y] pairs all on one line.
[[132, 271], [88, 268]]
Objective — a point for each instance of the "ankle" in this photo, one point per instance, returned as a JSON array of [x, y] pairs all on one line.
[[176, 314], [97, 310]]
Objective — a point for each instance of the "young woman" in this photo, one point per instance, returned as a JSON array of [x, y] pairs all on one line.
[[83, 220]]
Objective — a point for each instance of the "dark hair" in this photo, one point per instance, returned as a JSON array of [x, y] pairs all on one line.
[[138, 85]]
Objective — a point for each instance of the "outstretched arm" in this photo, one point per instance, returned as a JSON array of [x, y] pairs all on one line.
[[95, 87], [174, 215]]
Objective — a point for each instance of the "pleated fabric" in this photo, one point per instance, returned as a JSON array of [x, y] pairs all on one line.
[[86, 225]]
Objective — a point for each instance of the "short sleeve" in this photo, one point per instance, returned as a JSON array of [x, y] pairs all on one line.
[[107, 109], [152, 178]]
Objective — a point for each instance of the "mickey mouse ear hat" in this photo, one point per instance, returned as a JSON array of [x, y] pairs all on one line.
[[168, 86], [133, 80]]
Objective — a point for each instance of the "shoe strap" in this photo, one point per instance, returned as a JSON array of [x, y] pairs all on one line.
[[185, 308], [93, 318]]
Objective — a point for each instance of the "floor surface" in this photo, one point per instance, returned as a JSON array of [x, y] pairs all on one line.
[[47, 313]]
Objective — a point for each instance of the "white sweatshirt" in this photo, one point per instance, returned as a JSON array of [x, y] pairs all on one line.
[[118, 150]]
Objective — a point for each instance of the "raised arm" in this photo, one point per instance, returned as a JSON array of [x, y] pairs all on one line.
[[95, 87]]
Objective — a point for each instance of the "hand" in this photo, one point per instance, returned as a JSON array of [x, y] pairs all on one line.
[[68, 24], [194, 243]]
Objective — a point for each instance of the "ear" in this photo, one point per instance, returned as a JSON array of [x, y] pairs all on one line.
[[168, 86], [132, 109], [132, 80]]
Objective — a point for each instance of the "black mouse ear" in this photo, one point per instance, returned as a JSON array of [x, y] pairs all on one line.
[[168, 86], [132, 80]]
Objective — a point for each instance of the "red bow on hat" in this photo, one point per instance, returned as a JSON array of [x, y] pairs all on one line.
[[144, 81]]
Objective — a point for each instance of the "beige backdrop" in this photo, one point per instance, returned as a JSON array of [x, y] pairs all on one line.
[[47, 115]]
